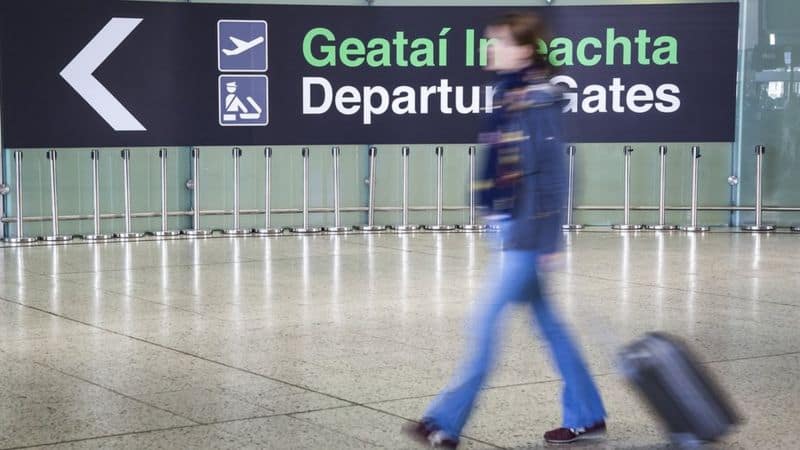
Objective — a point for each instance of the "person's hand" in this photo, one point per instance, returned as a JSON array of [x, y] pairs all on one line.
[[551, 261]]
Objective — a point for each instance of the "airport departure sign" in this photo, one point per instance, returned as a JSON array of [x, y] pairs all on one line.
[[115, 73]]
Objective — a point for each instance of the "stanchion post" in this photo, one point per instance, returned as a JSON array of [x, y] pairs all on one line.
[[164, 232], [56, 236], [626, 225], [237, 230], [337, 214], [440, 226], [196, 231], [472, 226], [404, 226], [268, 229], [570, 226], [306, 228], [662, 193], [97, 235], [370, 226], [758, 226], [694, 227], [20, 238], [129, 234]]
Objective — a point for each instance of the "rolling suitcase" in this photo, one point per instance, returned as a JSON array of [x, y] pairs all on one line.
[[666, 374]]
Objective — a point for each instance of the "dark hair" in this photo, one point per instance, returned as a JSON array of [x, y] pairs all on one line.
[[527, 29]]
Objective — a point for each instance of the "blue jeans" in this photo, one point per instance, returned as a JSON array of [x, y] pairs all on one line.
[[518, 281]]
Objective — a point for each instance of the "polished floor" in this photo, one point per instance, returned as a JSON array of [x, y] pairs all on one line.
[[334, 342]]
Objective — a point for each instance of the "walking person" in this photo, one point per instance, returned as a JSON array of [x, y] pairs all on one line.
[[524, 187]]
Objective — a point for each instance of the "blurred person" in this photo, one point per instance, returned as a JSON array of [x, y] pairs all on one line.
[[524, 188]]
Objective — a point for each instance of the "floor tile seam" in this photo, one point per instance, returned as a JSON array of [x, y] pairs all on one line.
[[180, 427], [486, 388], [383, 338], [105, 436], [411, 250], [114, 391], [750, 358], [277, 414], [398, 416], [155, 344], [626, 284], [137, 269], [558, 380], [712, 294], [334, 430], [137, 297]]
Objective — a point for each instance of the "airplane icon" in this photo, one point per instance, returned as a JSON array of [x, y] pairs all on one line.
[[242, 46]]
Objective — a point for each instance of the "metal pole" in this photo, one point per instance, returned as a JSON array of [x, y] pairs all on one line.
[[693, 227], [56, 236], [97, 235], [268, 229], [126, 181], [758, 226], [237, 230], [472, 225], [195, 231], [20, 239], [370, 226], [404, 227], [439, 194], [626, 225], [337, 214], [569, 226], [306, 229], [164, 232], [662, 193]]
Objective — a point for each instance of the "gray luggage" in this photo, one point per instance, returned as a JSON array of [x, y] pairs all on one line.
[[692, 406]]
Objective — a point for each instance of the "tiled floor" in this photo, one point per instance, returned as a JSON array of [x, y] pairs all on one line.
[[334, 342]]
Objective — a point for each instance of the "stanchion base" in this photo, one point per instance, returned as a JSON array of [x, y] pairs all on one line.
[[692, 229], [795, 229], [128, 236], [759, 228], [21, 240], [59, 238], [197, 233], [626, 227], [571, 227], [169, 233], [662, 227], [440, 227], [337, 229], [268, 231], [473, 228], [405, 228], [310, 230], [98, 237], [237, 232], [370, 228]]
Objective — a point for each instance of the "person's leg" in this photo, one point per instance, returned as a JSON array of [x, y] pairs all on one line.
[[581, 402], [451, 409]]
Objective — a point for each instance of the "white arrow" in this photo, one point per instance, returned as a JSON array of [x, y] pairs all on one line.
[[78, 74]]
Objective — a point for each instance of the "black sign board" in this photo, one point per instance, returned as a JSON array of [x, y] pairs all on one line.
[[84, 73]]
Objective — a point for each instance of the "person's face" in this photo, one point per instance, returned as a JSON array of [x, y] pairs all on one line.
[[505, 55]]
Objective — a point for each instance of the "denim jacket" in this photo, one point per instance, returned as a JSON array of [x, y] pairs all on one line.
[[524, 176]]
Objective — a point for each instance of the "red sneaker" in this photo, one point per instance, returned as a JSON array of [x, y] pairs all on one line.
[[567, 435]]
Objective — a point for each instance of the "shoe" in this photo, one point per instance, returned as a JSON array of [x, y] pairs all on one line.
[[567, 435], [427, 433]]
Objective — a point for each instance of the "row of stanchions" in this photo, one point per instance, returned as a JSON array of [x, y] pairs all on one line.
[[337, 227], [194, 185], [693, 226]]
